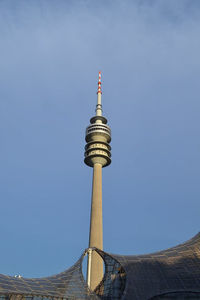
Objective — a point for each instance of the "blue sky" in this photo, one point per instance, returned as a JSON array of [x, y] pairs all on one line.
[[50, 55]]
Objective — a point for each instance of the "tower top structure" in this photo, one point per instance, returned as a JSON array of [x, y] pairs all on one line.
[[98, 136]]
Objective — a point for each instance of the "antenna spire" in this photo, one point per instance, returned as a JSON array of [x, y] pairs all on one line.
[[99, 92]]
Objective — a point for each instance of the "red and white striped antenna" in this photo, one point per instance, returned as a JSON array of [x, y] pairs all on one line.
[[99, 92], [99, 84]]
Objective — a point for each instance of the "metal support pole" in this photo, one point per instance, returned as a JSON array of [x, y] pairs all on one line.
[[89, 266]]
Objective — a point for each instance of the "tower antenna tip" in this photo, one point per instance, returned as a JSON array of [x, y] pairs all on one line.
[[99, 84]]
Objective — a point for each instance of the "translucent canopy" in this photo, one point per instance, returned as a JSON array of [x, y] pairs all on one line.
[[170, 274]]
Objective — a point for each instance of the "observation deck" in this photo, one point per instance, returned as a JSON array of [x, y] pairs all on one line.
[[98, 137]]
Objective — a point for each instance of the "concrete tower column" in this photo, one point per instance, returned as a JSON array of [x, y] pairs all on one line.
[[97, 155], [96, 227]]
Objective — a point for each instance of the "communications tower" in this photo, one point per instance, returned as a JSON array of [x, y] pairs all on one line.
[[97, 155]]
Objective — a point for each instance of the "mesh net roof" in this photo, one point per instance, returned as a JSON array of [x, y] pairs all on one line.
[[175, 270], [69, 284], [174, 273]]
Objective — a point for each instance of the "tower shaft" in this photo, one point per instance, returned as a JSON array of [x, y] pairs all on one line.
[[96, 227], [97, 155]]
